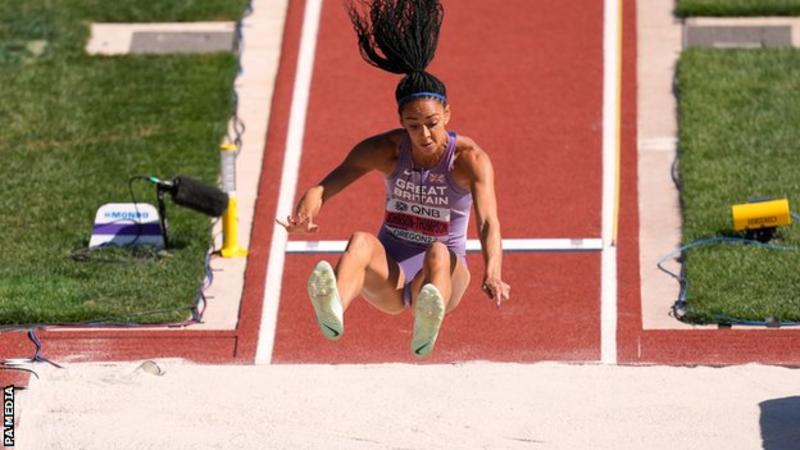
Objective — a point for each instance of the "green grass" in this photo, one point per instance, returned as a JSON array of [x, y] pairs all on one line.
[[735, 8], [74, 129], [739, 111]]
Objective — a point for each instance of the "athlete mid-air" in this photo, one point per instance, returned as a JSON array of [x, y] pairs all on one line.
[[433, 178]]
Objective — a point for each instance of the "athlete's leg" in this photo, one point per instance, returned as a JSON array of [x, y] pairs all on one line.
[[365, 268], [435, 290], [446, 271]]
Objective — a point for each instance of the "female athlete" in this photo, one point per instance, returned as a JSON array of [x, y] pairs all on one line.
[[432, 177]]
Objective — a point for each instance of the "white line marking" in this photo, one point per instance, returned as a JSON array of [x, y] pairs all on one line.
[[291, 165], [608, 290], [473, 245]]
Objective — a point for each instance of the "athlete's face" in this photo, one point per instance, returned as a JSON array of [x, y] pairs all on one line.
[[425, 120]]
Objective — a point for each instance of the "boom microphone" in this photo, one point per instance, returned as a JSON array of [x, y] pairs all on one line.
[[191, 193]]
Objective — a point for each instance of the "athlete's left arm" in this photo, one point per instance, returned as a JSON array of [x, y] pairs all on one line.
[[483, 196]]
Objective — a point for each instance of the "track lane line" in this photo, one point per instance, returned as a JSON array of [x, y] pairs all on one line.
[[612, 45], [289, 175]]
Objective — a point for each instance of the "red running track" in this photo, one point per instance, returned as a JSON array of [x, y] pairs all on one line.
[[525, 82]]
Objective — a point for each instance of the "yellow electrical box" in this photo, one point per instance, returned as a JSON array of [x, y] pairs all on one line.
[[761, 214]]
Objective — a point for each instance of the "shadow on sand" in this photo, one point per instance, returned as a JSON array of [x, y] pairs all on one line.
[[780, 423]]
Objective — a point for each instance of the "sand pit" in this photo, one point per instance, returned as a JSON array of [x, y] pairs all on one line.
[[471, 405]]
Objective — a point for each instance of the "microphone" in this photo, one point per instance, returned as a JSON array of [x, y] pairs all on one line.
[[191, 193]]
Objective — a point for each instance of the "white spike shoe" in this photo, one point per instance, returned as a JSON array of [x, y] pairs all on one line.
[[325, 298], [428, 316]]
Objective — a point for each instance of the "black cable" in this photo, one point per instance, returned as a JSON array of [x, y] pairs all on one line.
[[674, 172], [86, 253], [105, 322], [196, 317], [196, 312], [136, 208], [681, 309], [236, 124], [38, 354]]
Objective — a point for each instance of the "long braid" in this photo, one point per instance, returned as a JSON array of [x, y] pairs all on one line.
[[400, 36]]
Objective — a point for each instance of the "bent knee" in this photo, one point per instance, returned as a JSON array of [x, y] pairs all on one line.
[[361, 241], [437, 254]]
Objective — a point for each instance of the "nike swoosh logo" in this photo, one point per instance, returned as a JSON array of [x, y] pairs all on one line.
[[335, 333], [421, 347]]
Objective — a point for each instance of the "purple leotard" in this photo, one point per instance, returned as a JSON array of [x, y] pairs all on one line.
[[423, 206]]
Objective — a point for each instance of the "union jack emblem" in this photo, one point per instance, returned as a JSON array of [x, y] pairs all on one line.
[[400, 206], [436, 178]]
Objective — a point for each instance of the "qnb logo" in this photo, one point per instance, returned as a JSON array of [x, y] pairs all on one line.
[[423, 211], [400, 206]]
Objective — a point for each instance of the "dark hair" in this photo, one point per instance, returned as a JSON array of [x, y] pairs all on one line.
[[406, 33]]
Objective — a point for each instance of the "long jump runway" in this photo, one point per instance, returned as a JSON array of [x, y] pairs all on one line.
[[525, 81]]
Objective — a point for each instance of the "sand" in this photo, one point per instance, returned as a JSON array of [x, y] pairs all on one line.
[[470, 405]]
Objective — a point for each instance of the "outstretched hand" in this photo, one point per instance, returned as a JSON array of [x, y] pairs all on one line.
[[303, 218], [298, 224], [496, 289]]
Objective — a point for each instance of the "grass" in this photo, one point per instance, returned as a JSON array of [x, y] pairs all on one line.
[[74, 129], [739, 111], [734, 8]]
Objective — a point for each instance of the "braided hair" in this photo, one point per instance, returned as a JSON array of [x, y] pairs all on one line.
[[400, 36]]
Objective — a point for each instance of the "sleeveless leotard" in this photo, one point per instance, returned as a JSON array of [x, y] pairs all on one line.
[[423, 206]]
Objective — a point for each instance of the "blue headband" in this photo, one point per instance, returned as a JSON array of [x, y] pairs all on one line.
[[439, 97]]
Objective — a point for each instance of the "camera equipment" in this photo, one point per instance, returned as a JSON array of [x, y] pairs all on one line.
[[189, 193]]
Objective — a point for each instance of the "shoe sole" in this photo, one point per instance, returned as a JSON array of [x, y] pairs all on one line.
[[428, 316], [325, 299]]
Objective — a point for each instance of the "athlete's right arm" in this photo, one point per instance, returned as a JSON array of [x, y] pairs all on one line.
[[374, 153]]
